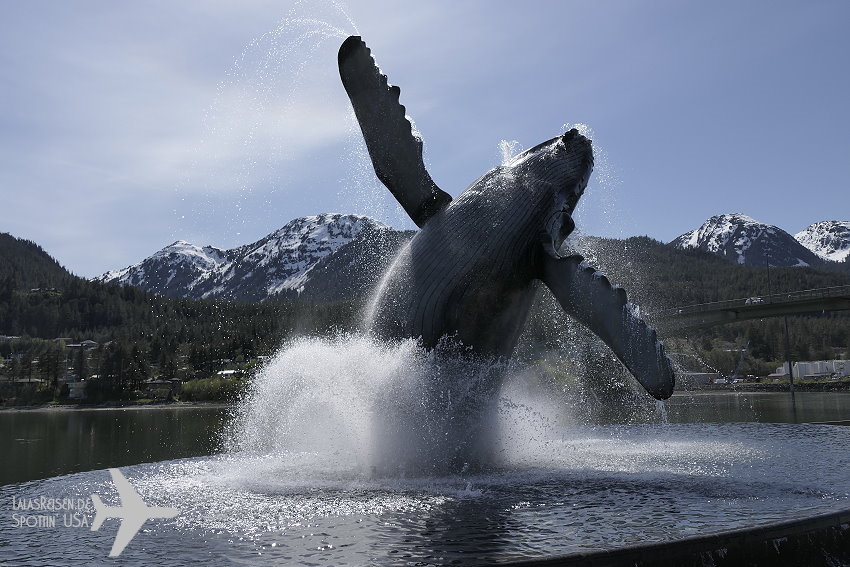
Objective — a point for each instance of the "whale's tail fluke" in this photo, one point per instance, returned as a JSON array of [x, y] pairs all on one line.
[[395, 150], [588, 296]]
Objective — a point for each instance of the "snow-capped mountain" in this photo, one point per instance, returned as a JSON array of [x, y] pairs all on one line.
[[353, 271], [749, 242], [279, 263], [828, 239], [331, 257], [177, 267]]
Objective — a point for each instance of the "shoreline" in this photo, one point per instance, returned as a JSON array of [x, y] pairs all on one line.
[[841, 387], [119, 406], [770, 387]]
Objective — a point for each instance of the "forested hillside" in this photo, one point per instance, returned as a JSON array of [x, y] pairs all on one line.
[[660, 277], [25, 265], [139, 336]]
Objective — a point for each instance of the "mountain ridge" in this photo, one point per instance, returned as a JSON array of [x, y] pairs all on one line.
[[335, 256], [744, 240], [828, 239], [277, 264]]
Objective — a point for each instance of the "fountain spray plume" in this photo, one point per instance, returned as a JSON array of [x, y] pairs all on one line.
[[373, 407]]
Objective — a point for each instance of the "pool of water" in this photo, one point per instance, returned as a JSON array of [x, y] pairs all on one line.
[[581, 488], [41, 443], [764, 407]]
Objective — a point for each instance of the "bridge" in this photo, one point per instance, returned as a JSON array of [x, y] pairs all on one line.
[[775, 305]]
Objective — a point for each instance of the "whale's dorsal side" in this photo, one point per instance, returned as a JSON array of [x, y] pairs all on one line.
[[395, 151], [589, 297]]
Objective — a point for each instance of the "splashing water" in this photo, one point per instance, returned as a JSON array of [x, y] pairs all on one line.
[[393, 408], [339, 453], [509, 150], [582, 128], [662, 412]]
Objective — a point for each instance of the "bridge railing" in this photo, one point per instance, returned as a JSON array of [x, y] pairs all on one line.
[[784, 297]]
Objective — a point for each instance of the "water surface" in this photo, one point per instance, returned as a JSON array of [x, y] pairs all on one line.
[[720, 461], [41, 443], [592, 488]]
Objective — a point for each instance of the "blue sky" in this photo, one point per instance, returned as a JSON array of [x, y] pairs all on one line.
[[126, 126]]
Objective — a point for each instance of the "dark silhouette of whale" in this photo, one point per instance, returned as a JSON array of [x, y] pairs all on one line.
[[473, 269]]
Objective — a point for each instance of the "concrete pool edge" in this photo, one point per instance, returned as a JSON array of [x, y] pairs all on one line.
[[818, 540]]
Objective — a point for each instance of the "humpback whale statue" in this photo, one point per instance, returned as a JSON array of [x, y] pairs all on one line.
[[473, 269]]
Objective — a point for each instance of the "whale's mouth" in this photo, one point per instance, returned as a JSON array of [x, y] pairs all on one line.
[[559, 225], [568, 161]]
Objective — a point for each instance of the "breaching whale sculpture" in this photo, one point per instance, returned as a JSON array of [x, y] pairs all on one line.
[[473, 269]]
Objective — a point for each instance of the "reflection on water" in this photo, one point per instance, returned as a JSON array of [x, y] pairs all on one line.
[[40, 443], [764, 407]]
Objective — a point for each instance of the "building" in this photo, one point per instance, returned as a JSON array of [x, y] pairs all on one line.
[[818, 369]]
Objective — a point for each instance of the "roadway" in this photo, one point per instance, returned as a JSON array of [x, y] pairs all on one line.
[[759, 307]]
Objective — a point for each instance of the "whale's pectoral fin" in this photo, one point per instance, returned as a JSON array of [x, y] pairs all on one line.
[[396, 152], [588, 296]]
